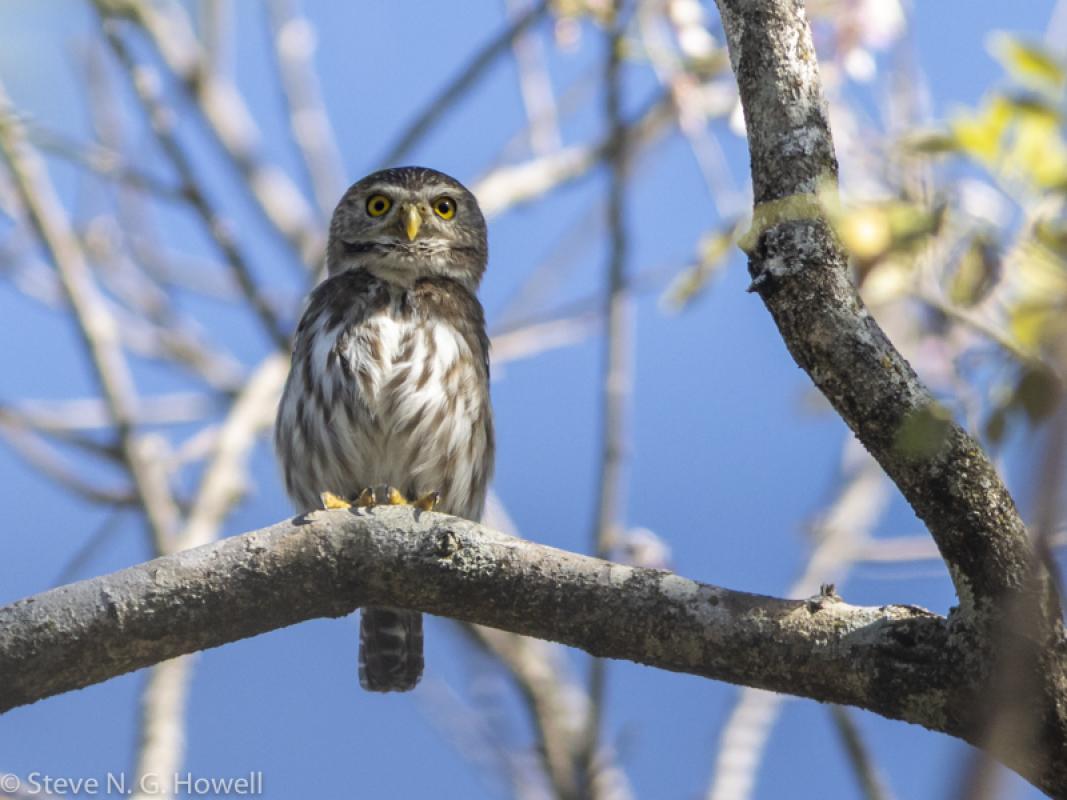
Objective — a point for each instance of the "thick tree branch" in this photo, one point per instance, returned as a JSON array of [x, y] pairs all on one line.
[[894, 660], [800, 272]]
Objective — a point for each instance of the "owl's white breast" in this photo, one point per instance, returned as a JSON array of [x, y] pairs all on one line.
[[396, 398]]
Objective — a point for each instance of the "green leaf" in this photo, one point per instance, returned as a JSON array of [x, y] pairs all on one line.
[[1027, 62], [1053, 235], [1038, 393], [977, 272], [924, 432], [712, 252], [980, 133], [996, 426], [929, 143]]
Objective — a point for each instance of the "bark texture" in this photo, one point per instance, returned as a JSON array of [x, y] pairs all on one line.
[[896, 660], [1007, 598], [801, 273], [901, 662]]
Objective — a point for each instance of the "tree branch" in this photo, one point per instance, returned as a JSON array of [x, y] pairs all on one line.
[[462, 82], [800, 271], [897, 661]]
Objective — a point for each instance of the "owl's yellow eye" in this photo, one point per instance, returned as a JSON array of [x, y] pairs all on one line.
[[378, 204], [444, 207]]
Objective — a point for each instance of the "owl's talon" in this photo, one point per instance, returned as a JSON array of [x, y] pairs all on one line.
[[366, 499], [330, 500], [428, 502], [393, 497]]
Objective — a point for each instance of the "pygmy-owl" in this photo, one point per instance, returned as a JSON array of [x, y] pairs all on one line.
[[389, 383]]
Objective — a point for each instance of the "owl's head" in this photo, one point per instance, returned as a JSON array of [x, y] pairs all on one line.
[[408, 223]]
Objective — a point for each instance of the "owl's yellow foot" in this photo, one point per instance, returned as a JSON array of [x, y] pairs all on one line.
[[382, 496], [428, 502], [330, 500]]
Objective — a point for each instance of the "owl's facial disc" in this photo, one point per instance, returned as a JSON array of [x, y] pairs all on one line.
[[407, 223]]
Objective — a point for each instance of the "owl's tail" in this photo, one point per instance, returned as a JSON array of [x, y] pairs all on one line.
[[390, 649]]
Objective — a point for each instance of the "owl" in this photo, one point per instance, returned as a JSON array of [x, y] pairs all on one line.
[[387, 398]]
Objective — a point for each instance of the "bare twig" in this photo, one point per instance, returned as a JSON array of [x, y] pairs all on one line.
[[162, 728], [616, 379], [103, 161], [535, 85], [871, 782], [223, 479], [839, 537], [294, 46], [146, 85], [228, 119], [92, 544], [43, 458], [462, 83], [553, 703], [506, 187], [96, 326]]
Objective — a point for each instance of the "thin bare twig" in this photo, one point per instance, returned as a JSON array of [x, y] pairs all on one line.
[[103, 161], [162, 746], [462, 83], [74, 565], [616, 376], [95, 325], [506, 187], [223, 478], [294, 46], [228, 119], [839, 537], [43, 458], [161, 118], [871, 782], [535, 86]]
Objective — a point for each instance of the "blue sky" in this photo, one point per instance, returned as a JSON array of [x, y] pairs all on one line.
[[727, 461]]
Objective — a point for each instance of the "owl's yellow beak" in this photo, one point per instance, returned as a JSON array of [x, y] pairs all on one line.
[[412, 221]]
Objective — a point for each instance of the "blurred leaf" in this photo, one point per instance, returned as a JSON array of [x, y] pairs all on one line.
[[1037, 151], [865, 232], [924, 432], [979, 134], [1039, 279], [712, 252], [1027, 323], [1033, 398], [1041, 274], [929, 142], [996, 426], [1027, 62], [977, 272], [871, 232], [1052, 234], [888, 280], [1038, 393], [1031, 104]]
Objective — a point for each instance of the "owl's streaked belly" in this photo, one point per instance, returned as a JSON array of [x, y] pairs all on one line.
[[392, 400]]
